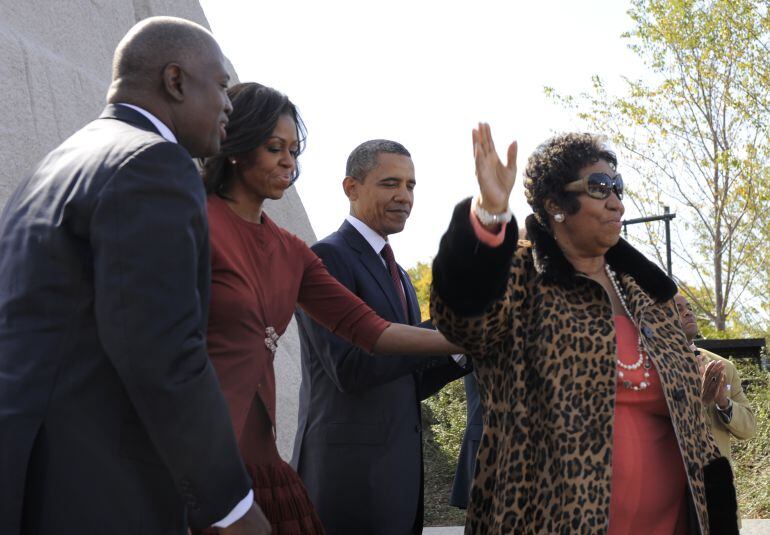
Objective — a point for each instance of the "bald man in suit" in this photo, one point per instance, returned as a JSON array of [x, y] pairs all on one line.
[[111, 418]]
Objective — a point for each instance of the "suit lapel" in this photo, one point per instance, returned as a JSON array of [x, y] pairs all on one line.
[[374, 264]]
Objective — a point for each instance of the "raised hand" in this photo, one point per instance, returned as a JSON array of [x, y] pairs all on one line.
[[495, 179], [713, 382]]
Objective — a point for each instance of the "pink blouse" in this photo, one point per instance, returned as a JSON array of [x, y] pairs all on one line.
[[648, 477]]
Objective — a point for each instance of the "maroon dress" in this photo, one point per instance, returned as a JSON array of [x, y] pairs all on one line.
[[259, 274]]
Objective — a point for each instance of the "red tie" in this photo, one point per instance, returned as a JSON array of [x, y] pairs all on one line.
[[390, 260]]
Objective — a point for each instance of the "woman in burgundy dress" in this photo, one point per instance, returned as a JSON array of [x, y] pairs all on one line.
[[260, 273]]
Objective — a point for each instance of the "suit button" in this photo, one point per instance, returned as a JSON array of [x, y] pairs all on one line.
[[418, 428], [646, 331]]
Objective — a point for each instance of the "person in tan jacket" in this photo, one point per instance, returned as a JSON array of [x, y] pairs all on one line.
[[726, 404]]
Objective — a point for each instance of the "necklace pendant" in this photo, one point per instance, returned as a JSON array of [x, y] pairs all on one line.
[[627, 384]]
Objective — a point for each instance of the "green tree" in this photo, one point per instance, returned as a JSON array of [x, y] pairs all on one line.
[[421, 276], [697, 136]]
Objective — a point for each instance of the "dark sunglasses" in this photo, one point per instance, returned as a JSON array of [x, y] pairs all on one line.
[[598, 185]]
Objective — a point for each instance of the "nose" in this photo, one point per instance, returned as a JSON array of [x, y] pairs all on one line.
[[288, 160], [403, 194], [614, 203], [228, 105]]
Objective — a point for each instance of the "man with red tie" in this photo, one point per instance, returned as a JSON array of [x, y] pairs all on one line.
[[359, 440]]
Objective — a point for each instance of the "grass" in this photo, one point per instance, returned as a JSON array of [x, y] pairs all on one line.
[[751, 458], [443, 425]]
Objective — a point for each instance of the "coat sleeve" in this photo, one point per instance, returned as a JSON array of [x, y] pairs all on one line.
[[433, 378], [336, 307], [149, 237], [437, 373], [743, 424], [474, 286], [351, 368]]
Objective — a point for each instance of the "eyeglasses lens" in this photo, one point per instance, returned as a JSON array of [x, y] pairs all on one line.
[[600, 185]]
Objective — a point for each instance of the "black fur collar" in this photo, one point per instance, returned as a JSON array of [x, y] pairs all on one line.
[[555, 268]]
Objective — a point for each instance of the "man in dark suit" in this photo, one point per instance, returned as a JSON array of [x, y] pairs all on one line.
[[359, 440], [111, 418]]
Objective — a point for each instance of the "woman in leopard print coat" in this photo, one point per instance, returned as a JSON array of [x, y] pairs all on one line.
[[539, 320]]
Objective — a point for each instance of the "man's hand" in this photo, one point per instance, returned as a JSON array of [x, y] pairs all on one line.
[[713, 387], [253, 522], [495, 179]]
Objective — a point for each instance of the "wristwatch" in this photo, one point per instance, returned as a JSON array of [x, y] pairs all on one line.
[[488, 218], [727, 413]]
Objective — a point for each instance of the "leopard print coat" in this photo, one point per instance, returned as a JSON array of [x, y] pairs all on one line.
[[542, 340]]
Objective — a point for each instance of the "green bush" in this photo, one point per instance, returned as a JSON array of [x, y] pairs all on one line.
[[751, 458], [443, 417], [447, 410]]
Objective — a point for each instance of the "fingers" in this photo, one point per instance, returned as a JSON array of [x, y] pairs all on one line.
[[713, 381], [513, 150], [483, 139], [488, 134], [708, 392], [714, 368], [482, 136]]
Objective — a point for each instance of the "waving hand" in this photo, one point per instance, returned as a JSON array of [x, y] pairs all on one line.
[[495, 179]]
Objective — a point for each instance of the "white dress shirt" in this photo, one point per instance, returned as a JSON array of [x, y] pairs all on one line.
[[243, 506], [372, 238], [164, 130]]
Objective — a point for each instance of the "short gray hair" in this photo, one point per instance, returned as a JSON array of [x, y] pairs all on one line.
[[364, 157]]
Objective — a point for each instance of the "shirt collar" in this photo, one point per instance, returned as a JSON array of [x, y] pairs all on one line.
[[376, 241], [163, 130]]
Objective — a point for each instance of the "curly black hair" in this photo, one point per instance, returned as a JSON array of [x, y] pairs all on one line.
[[557, 162]]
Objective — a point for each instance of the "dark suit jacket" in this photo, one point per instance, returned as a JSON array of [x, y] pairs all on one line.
[[359, 440], [466, 462], [111, 418]]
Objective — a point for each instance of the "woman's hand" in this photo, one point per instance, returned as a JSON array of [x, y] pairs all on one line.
[[495, 179]]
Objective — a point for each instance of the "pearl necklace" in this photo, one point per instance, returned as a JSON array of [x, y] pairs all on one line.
[[643, 359]]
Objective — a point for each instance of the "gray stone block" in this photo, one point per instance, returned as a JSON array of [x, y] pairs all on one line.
[[55, 61]]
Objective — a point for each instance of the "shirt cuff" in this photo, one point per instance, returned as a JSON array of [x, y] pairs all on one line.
[[237, 512], [485, 236], [725, 414]]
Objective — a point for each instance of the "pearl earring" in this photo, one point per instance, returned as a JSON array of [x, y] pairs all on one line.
[[233, 161], [559, 218]]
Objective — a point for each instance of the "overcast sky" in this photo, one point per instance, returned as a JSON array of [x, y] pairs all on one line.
[[422, 73]]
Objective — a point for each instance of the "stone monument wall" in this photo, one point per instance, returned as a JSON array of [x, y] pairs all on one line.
[[55, 59]]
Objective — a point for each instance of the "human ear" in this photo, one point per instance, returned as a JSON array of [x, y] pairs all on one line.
[[552, 208], [350, 187], [173, 81]]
